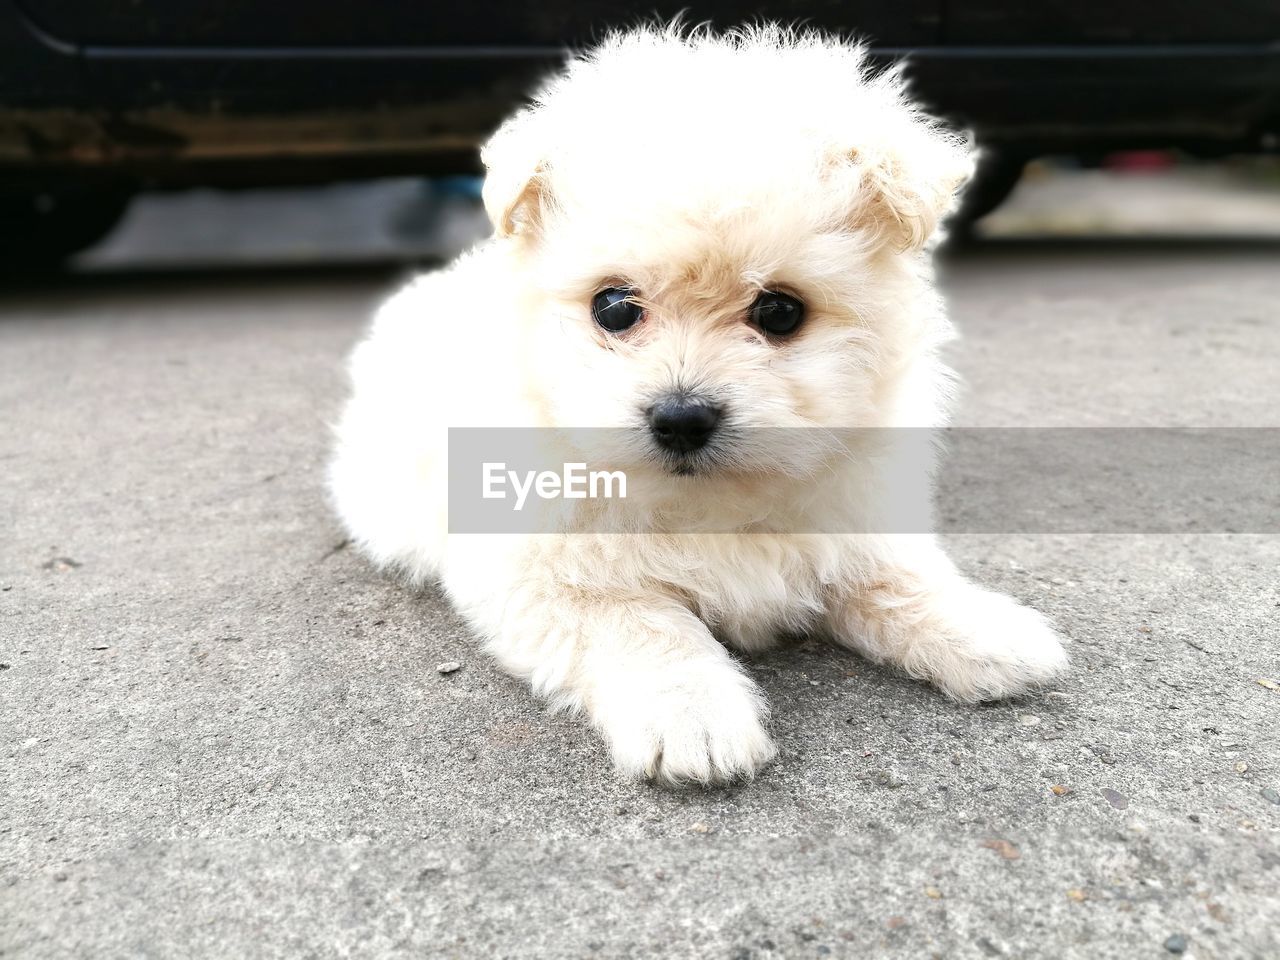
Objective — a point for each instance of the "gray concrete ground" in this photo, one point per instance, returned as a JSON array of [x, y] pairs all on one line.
[[223, 734]]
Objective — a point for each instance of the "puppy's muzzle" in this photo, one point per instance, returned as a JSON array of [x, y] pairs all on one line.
[[682, 424]]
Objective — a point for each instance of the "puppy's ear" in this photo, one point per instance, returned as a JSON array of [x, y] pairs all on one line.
[[902, 183], [516, 193]]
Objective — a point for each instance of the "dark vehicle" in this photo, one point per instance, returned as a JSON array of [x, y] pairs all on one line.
[[101, 97]]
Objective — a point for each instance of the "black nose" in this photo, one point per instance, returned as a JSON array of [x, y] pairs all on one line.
[[683, 424]]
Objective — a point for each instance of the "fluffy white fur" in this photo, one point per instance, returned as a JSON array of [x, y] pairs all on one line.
[[699, 169]]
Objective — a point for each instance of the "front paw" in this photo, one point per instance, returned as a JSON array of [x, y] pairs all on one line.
[[704, 725], [991, 647]]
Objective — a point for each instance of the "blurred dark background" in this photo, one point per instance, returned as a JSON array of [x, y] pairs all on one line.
[[144, 132]]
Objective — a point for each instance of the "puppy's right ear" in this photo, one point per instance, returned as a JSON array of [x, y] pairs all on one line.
[[516, 194], [901, 175]]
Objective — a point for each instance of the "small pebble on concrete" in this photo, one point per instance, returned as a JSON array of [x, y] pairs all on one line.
[[1115, 798]]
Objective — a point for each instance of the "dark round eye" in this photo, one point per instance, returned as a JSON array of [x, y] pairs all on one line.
[[777, 313], [615, 309]]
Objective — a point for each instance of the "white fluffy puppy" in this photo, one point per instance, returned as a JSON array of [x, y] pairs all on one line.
[[697, 236]]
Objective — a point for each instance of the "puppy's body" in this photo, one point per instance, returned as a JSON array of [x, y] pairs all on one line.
[[699, 175]]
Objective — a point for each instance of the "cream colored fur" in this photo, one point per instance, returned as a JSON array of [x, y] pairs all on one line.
[[699, 169]]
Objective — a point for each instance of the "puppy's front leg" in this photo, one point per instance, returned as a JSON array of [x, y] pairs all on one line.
[[910, 607], [671, 702]]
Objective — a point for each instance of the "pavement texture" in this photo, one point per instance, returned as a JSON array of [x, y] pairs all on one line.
[[222, 734]]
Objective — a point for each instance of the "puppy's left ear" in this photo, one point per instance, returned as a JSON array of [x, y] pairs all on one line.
[[902, 183], [516, 193]]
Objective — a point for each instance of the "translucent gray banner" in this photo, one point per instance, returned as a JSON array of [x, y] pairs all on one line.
[[807, 481]]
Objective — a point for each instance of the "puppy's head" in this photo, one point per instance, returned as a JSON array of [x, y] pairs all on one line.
[[722, 238]]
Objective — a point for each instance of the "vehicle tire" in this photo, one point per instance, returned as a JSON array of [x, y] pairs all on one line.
[[997, 174], [41, 227]]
